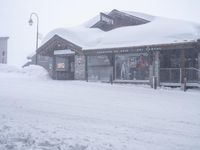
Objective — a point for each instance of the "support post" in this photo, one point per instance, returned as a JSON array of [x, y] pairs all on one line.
[[113, 58], [151, 75], [151, 68], [183, 78], [111, 79], [199, 66], [54, 67], [157, 68], [86, 68]]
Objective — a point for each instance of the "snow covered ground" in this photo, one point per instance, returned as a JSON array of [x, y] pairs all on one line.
[[37, 113]]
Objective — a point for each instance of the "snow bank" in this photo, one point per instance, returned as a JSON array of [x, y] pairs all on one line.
[[31, 71]]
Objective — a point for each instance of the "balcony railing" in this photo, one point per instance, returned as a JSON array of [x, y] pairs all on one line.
[[170, 75], [173, 75], [192, 75]]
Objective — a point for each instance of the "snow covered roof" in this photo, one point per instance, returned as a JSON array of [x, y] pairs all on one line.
[[158, 30], [4, 37]]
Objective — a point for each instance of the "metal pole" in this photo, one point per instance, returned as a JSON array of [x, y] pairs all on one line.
[[180, 75], [36, 55], [37, 33]]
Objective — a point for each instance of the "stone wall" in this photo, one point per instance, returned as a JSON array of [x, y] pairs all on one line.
[[79, 67]]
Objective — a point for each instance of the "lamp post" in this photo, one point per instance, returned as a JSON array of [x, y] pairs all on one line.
[[37, 32]]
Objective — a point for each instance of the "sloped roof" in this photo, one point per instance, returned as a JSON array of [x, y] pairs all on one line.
[[158, 30]]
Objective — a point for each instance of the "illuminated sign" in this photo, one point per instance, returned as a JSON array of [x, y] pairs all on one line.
[[60, 65]]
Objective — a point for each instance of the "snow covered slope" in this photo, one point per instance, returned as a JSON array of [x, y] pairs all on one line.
[[40, 114], [158, 31]]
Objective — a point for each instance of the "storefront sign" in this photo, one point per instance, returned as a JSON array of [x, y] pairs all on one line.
[[128, 50], [104, 52], [60, 65], [106, 19], [121, 51], [63, 52]]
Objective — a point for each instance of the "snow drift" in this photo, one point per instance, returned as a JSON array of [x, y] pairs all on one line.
[[32, 71]]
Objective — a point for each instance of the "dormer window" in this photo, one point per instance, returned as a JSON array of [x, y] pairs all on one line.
[[106, 19]]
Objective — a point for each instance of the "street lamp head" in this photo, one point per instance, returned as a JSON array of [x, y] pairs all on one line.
[[30, 22]]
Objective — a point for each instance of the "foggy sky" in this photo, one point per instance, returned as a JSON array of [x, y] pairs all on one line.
[[14, 16]]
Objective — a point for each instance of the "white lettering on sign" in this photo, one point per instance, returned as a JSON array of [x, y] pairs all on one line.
[[121, 51], [153, 48], [107, 20], [103, 52]]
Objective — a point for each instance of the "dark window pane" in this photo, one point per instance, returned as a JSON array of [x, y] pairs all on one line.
[[99, 68], [98, 60], [132, 66]]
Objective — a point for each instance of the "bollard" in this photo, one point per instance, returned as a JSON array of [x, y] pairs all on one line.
[[86, 76], [111, 79], [154, 82], [184, 85]]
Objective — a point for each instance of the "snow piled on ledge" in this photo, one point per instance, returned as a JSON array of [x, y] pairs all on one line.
[[32, 71], [159, 30]]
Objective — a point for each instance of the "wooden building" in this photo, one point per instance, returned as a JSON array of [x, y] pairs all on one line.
[[126, 47], [3, 50]]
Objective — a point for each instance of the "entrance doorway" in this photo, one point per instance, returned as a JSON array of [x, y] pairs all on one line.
[[64, 67]]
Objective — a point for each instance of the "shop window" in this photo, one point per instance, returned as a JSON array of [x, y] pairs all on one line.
[[99, 67], [191, 64], [100, 60], [99, 73], [170, 59], [191, 59], [132, 66]]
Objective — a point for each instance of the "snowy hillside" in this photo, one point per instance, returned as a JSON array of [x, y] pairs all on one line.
[[37, 114], [159, 30]]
